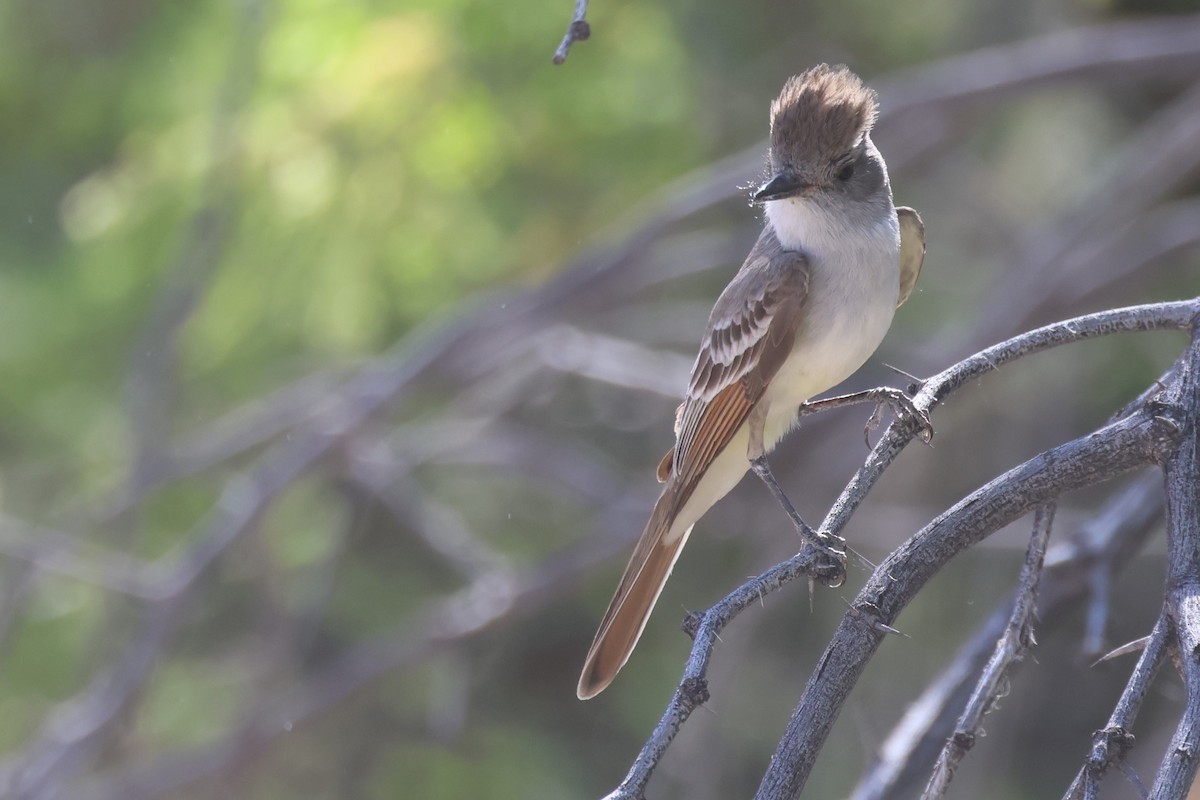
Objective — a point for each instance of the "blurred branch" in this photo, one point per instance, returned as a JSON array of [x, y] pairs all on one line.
[[245, 500], [440, 527], [615, 361], [495, 596], [16, 582], [150, 382], [73, 557], [75, 727], [1121, 51], [1012, 646], [607, 278], [1059, 258], [253, 425], [70, 733]]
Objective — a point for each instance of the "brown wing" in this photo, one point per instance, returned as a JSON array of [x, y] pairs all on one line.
[[750, 334]]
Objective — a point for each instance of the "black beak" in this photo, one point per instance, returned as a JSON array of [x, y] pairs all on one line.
[[784, 184]]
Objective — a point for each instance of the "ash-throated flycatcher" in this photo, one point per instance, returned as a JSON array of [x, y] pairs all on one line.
[[810, 304]]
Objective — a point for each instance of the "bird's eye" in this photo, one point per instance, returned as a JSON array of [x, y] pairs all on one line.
[[846, 172]]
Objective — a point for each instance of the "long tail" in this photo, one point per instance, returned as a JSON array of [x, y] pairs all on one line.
[[643, 580]]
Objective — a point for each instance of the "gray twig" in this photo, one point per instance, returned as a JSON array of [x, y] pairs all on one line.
[[692, 691], [1113, 742], [577, 31], [1012, 646], [1171, 316]]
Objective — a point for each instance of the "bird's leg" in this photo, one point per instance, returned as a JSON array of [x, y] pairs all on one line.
[[758, 462], [900, 403], [763, 470]]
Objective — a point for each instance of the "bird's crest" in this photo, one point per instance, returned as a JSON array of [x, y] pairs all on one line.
[[822, 113]]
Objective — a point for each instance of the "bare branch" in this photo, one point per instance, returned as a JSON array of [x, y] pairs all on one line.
[[1180, 408], [1012, 646], [577, 31], [693, 688], [1173, 316], [57, 552], [1112, 743], [1037, 482], [150, 382], [1106, 541], [1105, 454], [253, 425], [493, 597]]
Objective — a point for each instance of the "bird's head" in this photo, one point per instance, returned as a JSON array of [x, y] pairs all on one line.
[[820, 139]]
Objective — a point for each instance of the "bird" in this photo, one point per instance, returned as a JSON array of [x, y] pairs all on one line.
[[810, 304]]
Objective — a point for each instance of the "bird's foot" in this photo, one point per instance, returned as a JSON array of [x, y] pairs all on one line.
[[830, 544], [900, 402], [902, 406]]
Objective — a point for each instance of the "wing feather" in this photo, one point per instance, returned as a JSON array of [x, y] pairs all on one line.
[[750, 333], [912, 250]]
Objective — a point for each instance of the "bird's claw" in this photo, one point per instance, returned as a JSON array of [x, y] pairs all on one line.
[[905, 410]]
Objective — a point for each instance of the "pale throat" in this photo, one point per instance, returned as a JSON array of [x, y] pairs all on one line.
[[824, 233]]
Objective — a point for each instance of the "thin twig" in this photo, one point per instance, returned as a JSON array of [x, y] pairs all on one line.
[[1162, 316], [1112, 743], [1012, 646], [54, 551], [692, 691], [150, 383], [577, 31]]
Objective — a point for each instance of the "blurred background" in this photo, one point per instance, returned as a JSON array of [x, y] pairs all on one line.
[[340, 341]]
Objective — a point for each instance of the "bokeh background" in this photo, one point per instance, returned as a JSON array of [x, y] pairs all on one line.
[[340, 339]]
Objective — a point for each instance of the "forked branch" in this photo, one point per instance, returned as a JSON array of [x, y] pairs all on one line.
[[1140, 437]]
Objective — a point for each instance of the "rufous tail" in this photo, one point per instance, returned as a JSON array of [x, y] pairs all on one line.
[[643, 581]]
